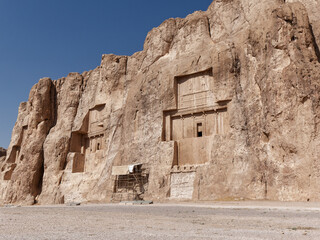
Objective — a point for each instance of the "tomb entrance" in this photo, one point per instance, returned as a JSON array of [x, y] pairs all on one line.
[[198, 116], [89, 141]]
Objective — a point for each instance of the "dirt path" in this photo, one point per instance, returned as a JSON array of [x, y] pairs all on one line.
[[163, 221]]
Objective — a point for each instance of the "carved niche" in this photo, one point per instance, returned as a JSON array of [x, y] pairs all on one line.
[[15, 155], [89, 141], [194, 90], [198, 115]]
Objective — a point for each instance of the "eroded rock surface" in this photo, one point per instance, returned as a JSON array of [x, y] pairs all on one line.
[[3, 152], [223, 104]]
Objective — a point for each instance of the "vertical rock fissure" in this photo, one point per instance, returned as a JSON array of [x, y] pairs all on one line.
[[41, 173], [209, 27], [126, 66], [315, 45], [38, 179], [54, 106]]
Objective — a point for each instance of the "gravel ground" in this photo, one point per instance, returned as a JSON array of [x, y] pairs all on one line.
[[246, 220]]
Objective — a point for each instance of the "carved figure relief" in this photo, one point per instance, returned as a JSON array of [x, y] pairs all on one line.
[[195, 90]]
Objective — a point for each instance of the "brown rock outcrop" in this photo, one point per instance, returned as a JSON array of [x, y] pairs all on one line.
[[223, 104], [3, 152], [313, 8]]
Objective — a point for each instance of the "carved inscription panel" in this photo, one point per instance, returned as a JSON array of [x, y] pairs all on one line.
[[96, 117], [182, 185], [195, 90]]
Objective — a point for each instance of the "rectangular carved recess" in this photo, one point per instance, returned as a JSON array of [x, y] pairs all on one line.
[[15, 152], [194, 91], [89, 140], [197, 125], [15, 155], [198, 115]]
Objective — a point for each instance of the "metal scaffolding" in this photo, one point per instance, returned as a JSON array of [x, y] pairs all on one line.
[[130, 182]]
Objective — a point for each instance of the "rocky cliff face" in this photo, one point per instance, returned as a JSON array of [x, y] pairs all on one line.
[[3, 152], [223, 104]]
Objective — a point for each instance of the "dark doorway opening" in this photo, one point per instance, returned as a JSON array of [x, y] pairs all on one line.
[[199, 129]]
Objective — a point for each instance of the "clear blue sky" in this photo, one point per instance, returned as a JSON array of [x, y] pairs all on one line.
[[50, 38]]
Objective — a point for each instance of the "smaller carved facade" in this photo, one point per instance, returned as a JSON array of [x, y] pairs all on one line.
[[89, 141], [15, 156], [15, 153]]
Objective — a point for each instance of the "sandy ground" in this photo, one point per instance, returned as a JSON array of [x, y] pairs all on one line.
[[225, 220]]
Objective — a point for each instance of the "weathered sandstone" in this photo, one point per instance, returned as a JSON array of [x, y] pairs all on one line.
[[3, 152], [223, 104]]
